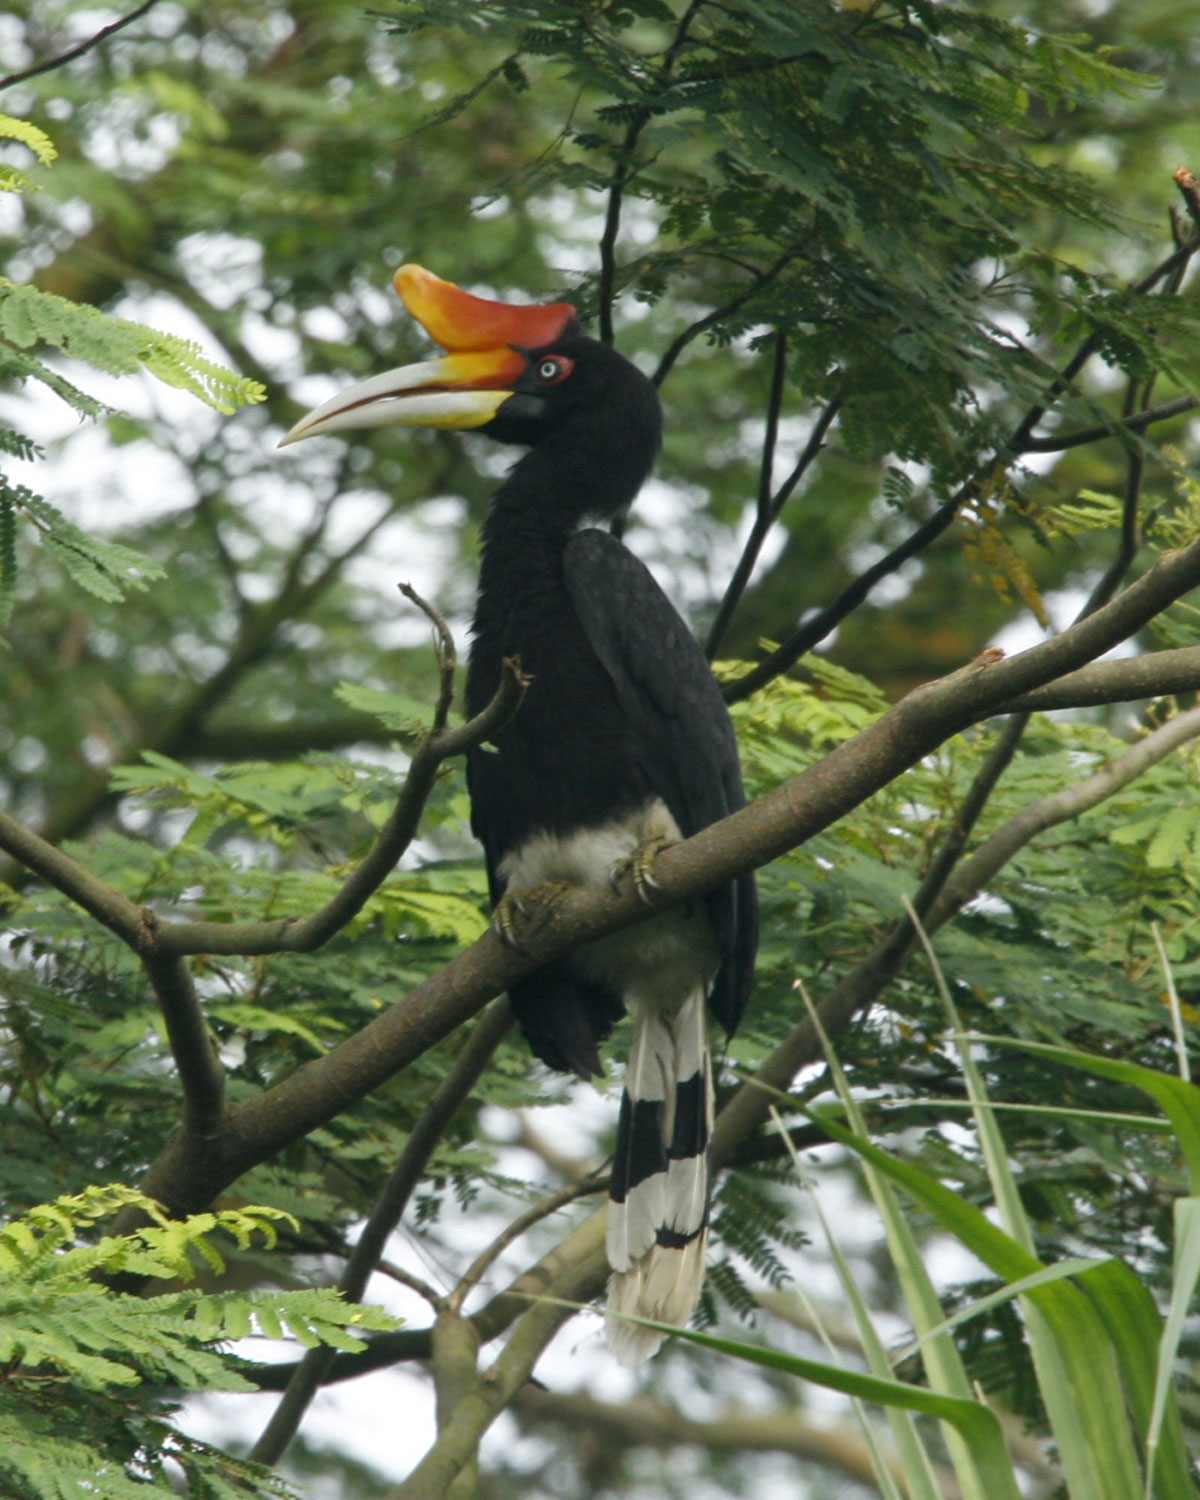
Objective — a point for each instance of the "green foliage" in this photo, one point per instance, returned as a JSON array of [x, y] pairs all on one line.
[[30, 317], [105, 569], [935, 205], [87, 1367], [12, 179]]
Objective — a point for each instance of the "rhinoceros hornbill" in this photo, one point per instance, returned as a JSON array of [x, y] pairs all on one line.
[[621, 744]]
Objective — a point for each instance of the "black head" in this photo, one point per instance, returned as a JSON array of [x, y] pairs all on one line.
[[587, 412]]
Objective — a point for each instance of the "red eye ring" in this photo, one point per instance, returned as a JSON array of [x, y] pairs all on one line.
[[552, 369]]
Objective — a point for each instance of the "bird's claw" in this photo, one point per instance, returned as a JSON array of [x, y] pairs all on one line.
[[519, 909], [508, 914], [639, 865]]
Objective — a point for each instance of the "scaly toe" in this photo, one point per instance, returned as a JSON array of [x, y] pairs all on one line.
[[640, 867], [520, 911], [510, 913]]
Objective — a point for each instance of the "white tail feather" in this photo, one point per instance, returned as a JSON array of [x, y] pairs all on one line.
[[653, 1280]]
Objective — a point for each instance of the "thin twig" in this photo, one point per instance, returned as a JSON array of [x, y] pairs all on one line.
[[765, 518], [443, 1105], [292, 935], [447, 656], [1130, 538], [681, 340], [809, 634], [813, 631], [762, 502], [534, 1214], [65, 57], [404, 1278], [1059, 442], [622, 172], [145, 934]]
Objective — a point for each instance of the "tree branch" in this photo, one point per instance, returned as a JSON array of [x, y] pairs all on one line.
[[1155, 675], [767, 513], [69, 56], [693, 331], [201, 1076], [141, 929], [575, 1270], [776, 822], [100, 900], [651, 1423], [293, 935], [389, 1208], [1059, 442], [177, 727], [808, 635], [621, 174], [534, 1214], [974, 873], [864, 983]]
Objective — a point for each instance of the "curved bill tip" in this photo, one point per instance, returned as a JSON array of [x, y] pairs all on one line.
[[459, 391]]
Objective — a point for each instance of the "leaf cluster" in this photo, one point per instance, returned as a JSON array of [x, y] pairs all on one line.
[[87, 1367]]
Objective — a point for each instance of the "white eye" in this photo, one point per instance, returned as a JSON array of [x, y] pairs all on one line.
[[549, 369]]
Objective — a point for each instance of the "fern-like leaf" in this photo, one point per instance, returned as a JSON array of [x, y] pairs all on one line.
[[12, 179], [118, 346]]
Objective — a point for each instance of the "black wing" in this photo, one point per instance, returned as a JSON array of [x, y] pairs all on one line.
[[684, 741]]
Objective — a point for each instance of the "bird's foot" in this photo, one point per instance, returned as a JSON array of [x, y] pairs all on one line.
[[640, 866], [520, 911]]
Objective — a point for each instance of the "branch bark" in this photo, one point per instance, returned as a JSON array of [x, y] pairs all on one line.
[[866, 981], [443, 1105], [651, 1423], [188, 1173]]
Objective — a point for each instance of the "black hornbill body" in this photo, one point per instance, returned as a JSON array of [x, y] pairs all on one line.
[[621, 744]]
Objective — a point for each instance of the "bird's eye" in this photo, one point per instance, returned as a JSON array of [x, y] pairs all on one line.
[[552, 369]]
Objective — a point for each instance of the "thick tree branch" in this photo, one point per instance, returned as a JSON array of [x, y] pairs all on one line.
[[574, 1271], [250, 739], [779, 821], [146, 935], [572, 1264], [863, 984], [108, 906], [1127, 680], [652, 1423]]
